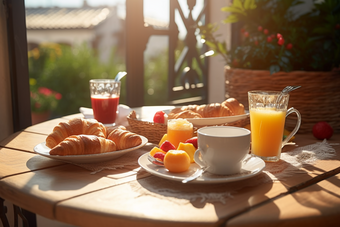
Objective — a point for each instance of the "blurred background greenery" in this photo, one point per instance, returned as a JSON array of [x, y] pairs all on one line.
[[67, 70]]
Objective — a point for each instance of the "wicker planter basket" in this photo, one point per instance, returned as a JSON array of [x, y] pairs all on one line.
[[154, 131], [317, 100]]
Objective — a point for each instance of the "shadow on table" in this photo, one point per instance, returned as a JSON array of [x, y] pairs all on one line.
[[51, 175], [228, 199]]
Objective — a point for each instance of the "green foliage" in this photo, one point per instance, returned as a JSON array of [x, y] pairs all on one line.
[[42, 98], [276, 38], [67, 71], [155, 86]]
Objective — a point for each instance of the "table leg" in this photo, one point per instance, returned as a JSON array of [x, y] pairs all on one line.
[[3, 211]]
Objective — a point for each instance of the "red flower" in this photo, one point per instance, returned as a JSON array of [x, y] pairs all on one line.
[[281, 41], [289, 46], [278, 36], [256, 42], [259, 28], [45, 91], [58, 96], [265, 31], [246, 34], [269, 39]]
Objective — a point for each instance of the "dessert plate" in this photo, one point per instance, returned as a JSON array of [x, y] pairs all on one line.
[[216, 120], [250, 168], [43, 150]]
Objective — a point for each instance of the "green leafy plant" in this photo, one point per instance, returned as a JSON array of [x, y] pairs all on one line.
[[43, 99], [68, 70], [275, 36]]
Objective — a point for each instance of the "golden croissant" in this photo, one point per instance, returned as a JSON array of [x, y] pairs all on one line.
[[124, 139], [83, 144], [229, 107], [75, 126]]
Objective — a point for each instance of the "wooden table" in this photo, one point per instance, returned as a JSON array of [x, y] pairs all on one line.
[[130, 196]]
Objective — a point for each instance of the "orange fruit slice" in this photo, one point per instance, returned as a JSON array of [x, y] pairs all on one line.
[[189, 148], [177, 161], [155, 150], [165, 137]]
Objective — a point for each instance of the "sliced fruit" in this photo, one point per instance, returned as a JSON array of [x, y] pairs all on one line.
[[189, 148], [193, 141], [166, 146], [165, 137], [160, 156], [155, 150], [322, 130], [177, 161]]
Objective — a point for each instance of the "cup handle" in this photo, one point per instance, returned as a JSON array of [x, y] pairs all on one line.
[[297, 126], [197, 158]]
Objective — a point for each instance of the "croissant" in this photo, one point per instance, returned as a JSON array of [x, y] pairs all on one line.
[[124, 139], [184, 114], [235, 107], [109, 129], [83, 144], [229, 107], [75, 126]]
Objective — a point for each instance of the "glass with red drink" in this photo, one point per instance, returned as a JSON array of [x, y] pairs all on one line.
[[105, 99]]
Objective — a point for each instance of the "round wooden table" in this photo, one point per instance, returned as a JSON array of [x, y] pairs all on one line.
[[130, 196]]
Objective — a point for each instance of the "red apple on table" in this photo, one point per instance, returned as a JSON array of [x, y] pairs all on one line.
[[160, 117], [322, 130]]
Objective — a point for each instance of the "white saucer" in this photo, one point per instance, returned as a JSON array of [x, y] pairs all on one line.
[[43, 150], [249, 169]]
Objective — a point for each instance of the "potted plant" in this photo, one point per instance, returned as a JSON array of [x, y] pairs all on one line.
[[280, 45], [43, 101]]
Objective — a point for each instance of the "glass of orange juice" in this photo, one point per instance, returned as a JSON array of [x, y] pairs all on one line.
[[268, 112], [179, 130]]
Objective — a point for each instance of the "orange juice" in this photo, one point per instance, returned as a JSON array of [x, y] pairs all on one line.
[[179, 130], [266, 131]]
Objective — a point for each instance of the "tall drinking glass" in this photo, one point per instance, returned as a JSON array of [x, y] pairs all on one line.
[[105, 99], [267, 119]]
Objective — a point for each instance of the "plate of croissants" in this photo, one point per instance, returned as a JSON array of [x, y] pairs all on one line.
[[211, 114], [82, 140]]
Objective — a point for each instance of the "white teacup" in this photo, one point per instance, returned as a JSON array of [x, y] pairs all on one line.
[[222, 148]]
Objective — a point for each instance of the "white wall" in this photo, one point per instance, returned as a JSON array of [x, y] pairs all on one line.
[[59, 36], [216, 67]]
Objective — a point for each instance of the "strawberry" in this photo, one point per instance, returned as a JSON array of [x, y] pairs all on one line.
[[166, 146], [193, 141], [322, 130], [160, 156], [160, 117]]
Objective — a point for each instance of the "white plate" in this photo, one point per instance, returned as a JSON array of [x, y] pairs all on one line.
[[216, 120], [43, 150], [249, 169]]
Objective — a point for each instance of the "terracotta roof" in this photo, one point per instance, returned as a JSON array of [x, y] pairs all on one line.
[[65, 18]]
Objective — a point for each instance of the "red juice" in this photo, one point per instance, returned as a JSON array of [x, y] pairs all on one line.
[[105, 108]]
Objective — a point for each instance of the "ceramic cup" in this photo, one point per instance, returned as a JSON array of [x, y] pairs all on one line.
[[222, 148]]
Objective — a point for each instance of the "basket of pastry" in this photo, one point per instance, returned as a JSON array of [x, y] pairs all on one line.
[[90, 139], [230, 112]]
